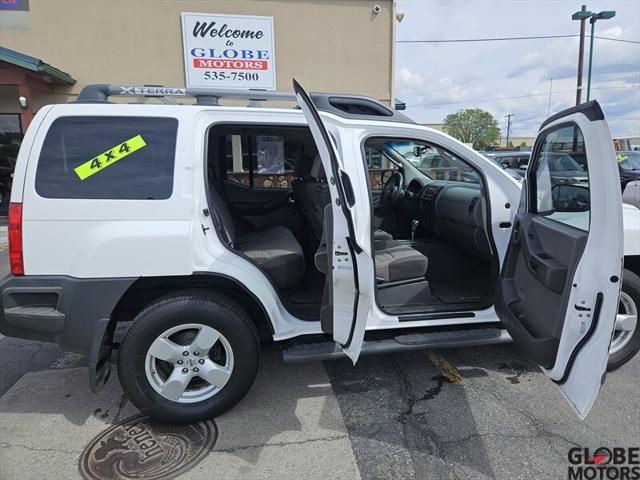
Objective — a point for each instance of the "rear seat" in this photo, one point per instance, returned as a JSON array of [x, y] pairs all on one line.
[[274, 249]]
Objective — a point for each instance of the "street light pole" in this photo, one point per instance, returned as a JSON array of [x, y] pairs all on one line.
[[581, 15], [604, 15], [592, 21]]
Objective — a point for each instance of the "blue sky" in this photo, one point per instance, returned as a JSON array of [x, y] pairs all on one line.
[[437, 79]]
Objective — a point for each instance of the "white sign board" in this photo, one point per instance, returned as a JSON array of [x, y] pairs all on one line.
[[228, 51]]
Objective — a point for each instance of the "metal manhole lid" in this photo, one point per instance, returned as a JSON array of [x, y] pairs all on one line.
[[141, 448]]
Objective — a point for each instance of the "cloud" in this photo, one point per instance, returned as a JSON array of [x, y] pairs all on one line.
[[557, 59], [437, 79]]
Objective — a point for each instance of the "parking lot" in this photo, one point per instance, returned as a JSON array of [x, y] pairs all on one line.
[[450, 414]]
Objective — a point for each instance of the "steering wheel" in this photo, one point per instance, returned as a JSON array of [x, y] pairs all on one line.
[[392, 192]]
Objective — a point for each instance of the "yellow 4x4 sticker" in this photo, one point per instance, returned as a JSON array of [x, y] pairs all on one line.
[[109, 157]]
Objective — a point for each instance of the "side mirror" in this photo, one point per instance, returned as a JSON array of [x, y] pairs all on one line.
[[570, 198]]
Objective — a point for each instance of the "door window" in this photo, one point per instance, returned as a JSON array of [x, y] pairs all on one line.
[[561, 179], [379, 165], [264, 157], [432, 160]]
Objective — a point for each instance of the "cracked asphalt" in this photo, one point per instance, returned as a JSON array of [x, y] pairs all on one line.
[[475, 413]]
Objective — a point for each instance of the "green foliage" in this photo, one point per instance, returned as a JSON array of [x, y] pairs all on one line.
[[473, 125]]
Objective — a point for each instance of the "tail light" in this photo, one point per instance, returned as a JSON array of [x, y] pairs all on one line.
[[15, 239]]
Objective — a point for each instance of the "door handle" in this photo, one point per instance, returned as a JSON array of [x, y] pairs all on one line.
[[517, 233]]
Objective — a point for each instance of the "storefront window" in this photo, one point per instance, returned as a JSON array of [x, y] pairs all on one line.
[[10, 138]]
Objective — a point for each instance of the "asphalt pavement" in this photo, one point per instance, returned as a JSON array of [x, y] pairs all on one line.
[[474, 413]]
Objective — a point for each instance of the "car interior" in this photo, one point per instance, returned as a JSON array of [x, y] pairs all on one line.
[[268, 192]]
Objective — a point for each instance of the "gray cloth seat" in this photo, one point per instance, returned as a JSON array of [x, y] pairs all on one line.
[[277, 251], [398, 263], [393, 264], [274, 249], [311, 192]]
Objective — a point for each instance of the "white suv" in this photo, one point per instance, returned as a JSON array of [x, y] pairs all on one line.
[[341, 229]]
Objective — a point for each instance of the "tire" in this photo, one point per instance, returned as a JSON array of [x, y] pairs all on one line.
[[176, 320], [630, 344]]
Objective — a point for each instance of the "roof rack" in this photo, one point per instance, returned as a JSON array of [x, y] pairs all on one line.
[[348, 106]]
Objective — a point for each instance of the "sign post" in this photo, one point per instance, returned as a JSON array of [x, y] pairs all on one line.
[[228, 51]]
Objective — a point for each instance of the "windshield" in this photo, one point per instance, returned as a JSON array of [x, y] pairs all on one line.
[[561, 162], [629, 160], [434, 162]]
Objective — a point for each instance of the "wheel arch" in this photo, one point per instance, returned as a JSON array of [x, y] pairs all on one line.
[[147, 289], [632, 263]]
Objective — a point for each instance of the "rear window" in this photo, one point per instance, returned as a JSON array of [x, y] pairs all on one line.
[[129, 158]]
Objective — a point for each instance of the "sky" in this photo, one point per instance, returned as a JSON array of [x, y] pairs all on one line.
[[435, 79]]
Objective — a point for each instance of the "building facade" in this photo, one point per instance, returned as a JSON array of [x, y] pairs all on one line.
[[51, 49]]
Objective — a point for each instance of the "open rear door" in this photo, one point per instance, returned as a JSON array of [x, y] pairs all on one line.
[[558, 289], [345, 305]]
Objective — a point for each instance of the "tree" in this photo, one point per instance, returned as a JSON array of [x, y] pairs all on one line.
[[473, 125]]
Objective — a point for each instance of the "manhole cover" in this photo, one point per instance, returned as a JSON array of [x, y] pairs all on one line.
[[141, 448]]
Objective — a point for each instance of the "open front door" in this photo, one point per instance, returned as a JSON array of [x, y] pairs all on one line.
[[345, 306], [558, 289]]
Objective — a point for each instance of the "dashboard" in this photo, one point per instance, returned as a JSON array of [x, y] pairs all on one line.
[[451, 210]]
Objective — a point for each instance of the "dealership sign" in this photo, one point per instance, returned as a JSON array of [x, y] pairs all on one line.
[[228, 51]]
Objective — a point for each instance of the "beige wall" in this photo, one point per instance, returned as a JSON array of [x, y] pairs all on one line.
[[517, 141], [328, 45]]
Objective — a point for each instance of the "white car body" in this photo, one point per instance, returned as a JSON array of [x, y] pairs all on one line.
[[126, 238]]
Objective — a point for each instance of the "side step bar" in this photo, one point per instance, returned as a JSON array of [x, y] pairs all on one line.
[[311, 352]]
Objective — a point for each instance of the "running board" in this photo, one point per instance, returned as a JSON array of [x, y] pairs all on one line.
[[310, 352]]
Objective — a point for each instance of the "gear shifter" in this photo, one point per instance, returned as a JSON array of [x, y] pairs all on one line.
[[414, 227]]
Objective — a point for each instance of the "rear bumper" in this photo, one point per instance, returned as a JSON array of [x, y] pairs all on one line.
[[72, 312]]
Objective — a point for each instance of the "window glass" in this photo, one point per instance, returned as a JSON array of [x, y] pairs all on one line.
[[435, 162], [266, 157], [561, 177], [378, 164], [108, 157], [628, 161], [10, 138]]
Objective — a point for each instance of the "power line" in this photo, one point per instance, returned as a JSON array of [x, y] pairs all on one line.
[[516, 97], [624, 40], [502, 39]]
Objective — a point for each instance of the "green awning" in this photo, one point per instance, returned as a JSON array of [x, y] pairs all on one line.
[[35, 65]]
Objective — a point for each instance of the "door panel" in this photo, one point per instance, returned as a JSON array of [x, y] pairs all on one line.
[[537, 283], [560, 280], [344, 305]]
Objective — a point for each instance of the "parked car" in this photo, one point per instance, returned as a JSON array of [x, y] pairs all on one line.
[[148, 225], [629, 167], [515, 163]]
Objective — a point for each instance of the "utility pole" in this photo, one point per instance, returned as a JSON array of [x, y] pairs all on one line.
[[582, 17], [508, 116]]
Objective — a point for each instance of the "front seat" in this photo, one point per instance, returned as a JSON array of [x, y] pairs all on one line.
[[393, 264], [274, 249], [312, 194]]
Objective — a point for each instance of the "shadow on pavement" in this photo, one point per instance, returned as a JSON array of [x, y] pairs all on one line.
[[483, 412]]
